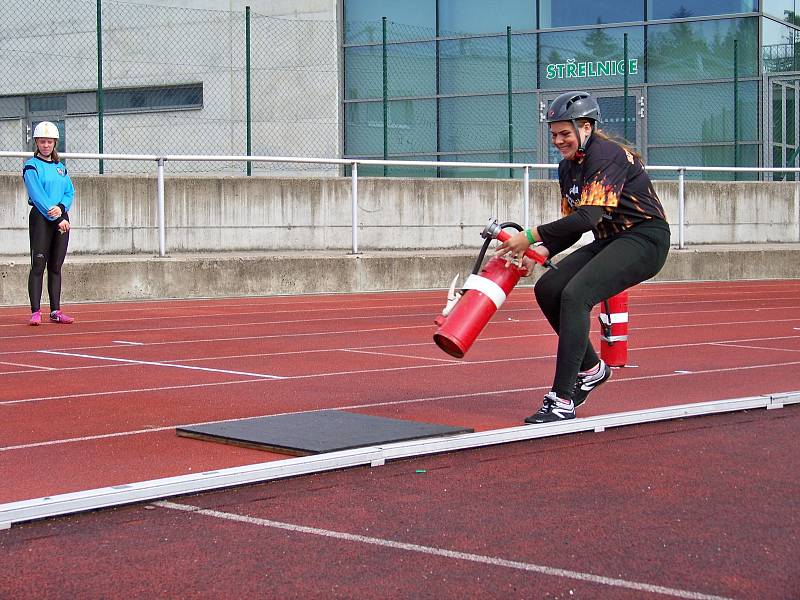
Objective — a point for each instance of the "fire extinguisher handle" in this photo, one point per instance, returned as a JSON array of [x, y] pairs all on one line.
[[493, 230], [539, 258]]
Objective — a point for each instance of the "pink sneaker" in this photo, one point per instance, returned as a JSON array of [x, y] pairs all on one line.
[[36, 318], [59, 317]]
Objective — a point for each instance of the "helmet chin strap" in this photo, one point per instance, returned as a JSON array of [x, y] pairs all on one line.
[[581, 151]]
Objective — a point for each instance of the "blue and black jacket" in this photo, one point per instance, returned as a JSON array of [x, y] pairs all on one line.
[[48, 185]]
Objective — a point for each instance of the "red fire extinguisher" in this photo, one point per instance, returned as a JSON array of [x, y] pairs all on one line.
[[614, 330], [469, 310]]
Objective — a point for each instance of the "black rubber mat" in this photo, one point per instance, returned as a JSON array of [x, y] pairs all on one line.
[[307, 433]]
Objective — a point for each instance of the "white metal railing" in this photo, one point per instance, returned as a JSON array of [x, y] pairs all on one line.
[[353, 164]]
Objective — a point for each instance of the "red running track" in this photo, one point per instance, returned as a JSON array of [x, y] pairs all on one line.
[[95, 403], [699, 508], [695, 508]]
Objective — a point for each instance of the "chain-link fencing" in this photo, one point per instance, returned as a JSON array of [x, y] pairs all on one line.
[[131, 79]]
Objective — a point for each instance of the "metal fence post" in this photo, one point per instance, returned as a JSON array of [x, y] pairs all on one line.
[[385, 78], [526, 199], [681, 206], [354, 202], [248, 119], [510, 88], [162, 243], [100, 96]]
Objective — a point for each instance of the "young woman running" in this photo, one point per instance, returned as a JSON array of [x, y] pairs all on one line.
[[605, 190]]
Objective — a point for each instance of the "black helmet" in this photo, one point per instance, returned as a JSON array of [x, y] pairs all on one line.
[[570, 106]]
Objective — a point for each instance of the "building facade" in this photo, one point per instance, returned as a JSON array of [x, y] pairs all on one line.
[[688, 82]]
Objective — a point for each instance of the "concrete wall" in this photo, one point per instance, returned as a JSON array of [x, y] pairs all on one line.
[[117, 214]]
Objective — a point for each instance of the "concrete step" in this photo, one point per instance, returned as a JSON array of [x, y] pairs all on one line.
[[96, 277]]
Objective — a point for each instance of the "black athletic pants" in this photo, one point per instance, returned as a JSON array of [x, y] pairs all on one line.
[[590, 274], [48, 250]]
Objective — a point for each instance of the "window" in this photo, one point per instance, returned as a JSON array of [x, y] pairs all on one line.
[[591, 58], [782, 9], [681, 9], [706, 113], [407, 20], [464, 17], [411, 70], [411, 127], [480, 65], [47, 104], [150, 99], [781, 50], [476, 123], [567, 13], [701, 50]]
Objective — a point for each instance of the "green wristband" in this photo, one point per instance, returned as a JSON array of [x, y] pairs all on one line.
[[529, 233]]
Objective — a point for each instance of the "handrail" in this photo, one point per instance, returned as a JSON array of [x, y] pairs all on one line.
[[681, 171]]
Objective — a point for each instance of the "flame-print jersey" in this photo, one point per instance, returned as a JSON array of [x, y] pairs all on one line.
[[609, 178]]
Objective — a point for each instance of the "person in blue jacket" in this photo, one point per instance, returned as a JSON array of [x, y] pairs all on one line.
[[50, 194]]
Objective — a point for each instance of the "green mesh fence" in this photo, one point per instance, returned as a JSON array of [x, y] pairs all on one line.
[[174, 81]]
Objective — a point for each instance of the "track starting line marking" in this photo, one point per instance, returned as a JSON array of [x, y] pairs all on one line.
[[160, 364]]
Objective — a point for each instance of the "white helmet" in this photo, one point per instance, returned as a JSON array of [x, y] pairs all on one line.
[[46, 129]]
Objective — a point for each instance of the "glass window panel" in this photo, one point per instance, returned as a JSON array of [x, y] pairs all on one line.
[[591, 58], [566, 13], [481, 123], [153, 98], [679, 9], [706, 156], [463, 17], [471, 65], [411, 127], [612, 111], [40, 104], [479, 172], [789, 117], [706, 113], [410, 70], [782, 9], [777, 114], [407, 20], [702, 49], [781, 50]]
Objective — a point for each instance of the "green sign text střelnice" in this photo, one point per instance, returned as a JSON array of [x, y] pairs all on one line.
[[600, 68]]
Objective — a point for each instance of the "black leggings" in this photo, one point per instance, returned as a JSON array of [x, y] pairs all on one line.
[[593, 273], [48, 249]]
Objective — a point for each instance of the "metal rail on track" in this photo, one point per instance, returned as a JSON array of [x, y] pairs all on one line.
[[50, 506]]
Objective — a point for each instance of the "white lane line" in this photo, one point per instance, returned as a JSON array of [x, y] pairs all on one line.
[[427, 327], [443, 552], [127, 343], [35, 367], [272, 324], [357, 372], [297, 412], [356, 351], [160, 364], [346, 407], [748, 347]]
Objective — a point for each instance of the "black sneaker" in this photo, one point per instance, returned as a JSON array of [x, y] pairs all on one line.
[[586, 383], [553, 409]]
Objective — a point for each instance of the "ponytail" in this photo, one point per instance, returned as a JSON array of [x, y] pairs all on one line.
[[623, 143]]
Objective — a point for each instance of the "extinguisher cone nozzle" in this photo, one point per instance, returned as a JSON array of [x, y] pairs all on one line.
[[451, 347]]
